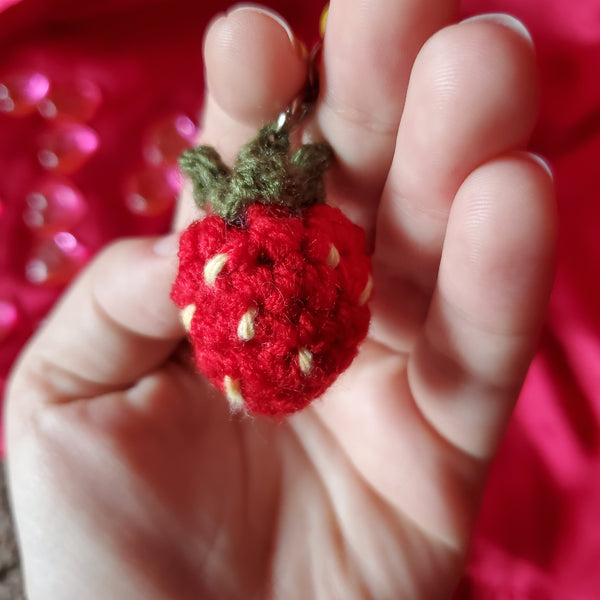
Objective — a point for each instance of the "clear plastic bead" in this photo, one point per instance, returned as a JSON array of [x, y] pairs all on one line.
[[53, 205], [9, 318], [55, 261], [168, 138], [153, 190], [78, 100], [67, 146], [21, 91]]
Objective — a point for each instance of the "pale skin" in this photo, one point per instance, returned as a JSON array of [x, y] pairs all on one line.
[[130, 478]]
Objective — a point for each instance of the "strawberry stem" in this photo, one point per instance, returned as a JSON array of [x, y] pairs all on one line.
[[263, 172]]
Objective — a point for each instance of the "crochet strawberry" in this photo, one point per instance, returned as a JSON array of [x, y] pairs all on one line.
[[273, 284]]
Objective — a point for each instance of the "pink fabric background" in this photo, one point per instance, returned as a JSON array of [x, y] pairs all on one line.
[[539, 532]]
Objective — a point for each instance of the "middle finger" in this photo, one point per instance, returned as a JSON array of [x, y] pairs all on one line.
[[369, 49]]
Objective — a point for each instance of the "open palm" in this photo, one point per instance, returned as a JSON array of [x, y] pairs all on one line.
[[129, 476]]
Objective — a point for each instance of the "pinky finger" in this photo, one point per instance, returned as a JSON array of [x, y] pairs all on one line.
[[493, 286]]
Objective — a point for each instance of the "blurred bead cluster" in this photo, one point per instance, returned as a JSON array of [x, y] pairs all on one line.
[[53, 207], [152, 190]]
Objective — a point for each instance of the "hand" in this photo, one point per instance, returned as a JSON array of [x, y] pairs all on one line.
[[130, 479]]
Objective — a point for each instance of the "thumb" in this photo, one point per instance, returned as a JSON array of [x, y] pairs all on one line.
[[115, 323]]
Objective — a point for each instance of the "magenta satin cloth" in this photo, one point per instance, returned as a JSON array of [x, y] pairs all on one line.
[[119, 69]]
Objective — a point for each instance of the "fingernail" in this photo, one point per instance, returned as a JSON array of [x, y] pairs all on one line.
[[505, 20], [167, 245], [268, 13], [540, 160]]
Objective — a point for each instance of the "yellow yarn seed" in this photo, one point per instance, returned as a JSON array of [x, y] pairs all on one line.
[[305, 359], [233, 393], [366, 293], [245, 328], [333, 258], [187, 314], [213, 267]]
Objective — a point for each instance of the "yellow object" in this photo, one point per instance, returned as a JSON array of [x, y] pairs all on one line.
[[323, 20]]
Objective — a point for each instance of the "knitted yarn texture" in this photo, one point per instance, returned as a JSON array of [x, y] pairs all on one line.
[[274, 286]]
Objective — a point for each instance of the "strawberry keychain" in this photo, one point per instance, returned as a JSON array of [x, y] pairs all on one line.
[[273, 284]]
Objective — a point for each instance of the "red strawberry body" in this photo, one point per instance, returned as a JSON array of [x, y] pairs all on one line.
[[275, 307]]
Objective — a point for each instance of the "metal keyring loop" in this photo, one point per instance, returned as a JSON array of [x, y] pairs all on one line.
[[302, 105]]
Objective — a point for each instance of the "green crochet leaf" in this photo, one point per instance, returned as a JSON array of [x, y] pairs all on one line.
[[263, 172]]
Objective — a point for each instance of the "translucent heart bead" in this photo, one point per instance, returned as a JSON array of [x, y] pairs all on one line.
[[153, 190], [78, 100], [67, 146], [53, 205], [56, 260], [168, 138], [20, 91], [9, 318]]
